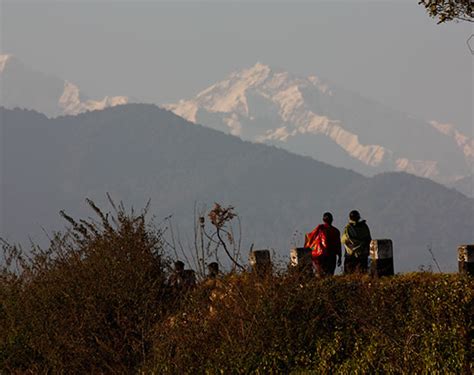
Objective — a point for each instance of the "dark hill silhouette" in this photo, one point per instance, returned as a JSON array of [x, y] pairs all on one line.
[[139, 151]]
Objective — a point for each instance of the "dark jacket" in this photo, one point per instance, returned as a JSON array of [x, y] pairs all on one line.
[[356, 239]]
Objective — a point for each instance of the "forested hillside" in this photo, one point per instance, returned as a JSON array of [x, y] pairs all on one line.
[[138, 152]]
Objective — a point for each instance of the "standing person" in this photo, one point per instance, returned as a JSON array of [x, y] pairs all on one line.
[[325, 243], [356, 240]]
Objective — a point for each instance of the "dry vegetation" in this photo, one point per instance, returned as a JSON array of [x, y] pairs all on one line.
[[418, 323], [96, 301]]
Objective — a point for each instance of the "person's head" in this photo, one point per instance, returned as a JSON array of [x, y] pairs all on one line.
[[354, 215], [327, 218], [213, 269], [178, 266]]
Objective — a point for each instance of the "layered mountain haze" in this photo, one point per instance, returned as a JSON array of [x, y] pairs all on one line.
[[137, 152], [23, 87], [309, 116], [304, 115]]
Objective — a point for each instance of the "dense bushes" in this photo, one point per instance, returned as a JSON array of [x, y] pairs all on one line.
[[86, 304], [96, 301], [416, 323]]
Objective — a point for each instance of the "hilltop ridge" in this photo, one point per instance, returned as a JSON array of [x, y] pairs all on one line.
[[136, 152]]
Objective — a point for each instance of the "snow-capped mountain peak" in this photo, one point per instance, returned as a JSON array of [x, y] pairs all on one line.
[[283, 94], [71, 103], [463, 141], [26, 88], [312, 117]]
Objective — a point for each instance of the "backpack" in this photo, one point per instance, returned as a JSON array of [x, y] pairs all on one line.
[[317, 241]]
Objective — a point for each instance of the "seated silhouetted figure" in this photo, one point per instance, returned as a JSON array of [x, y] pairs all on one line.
[[213, 270], [176, 279], [189, 279], [211, 280]]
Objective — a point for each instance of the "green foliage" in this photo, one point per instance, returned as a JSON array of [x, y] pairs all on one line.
[[449, 10], [416, 323]]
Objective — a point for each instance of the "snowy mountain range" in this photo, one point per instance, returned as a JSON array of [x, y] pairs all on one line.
[[304, 115], [309, 116], [24, 87]]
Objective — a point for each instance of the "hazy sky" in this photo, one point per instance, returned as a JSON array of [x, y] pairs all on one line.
[[162, 51]]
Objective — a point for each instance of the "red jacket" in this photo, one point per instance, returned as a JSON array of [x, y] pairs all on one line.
[[333, 238]]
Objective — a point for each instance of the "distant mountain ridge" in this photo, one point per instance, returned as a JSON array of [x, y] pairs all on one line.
[[136, 152], [24, 87], [311, 117], [465, 186], [304, 115]]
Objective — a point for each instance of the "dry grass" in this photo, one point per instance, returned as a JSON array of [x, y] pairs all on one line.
[[415, 323], [96, 301]]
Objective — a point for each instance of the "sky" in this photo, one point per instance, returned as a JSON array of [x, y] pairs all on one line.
[[160, 52]]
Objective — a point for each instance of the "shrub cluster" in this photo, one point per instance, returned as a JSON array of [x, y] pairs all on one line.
[[88, 303], [414, 323], [97, 301]]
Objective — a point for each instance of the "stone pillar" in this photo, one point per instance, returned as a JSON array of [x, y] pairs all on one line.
[[260, 261], [466, 259], [300, 259], [381, 258]]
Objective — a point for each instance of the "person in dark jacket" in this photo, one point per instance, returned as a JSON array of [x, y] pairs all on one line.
[[356, 240], [325, 264]]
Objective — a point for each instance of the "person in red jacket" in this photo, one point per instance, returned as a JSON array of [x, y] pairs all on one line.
[[325, 242]]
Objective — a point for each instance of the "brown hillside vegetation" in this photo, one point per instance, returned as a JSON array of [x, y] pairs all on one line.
[[416, 323], [97, 301]]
